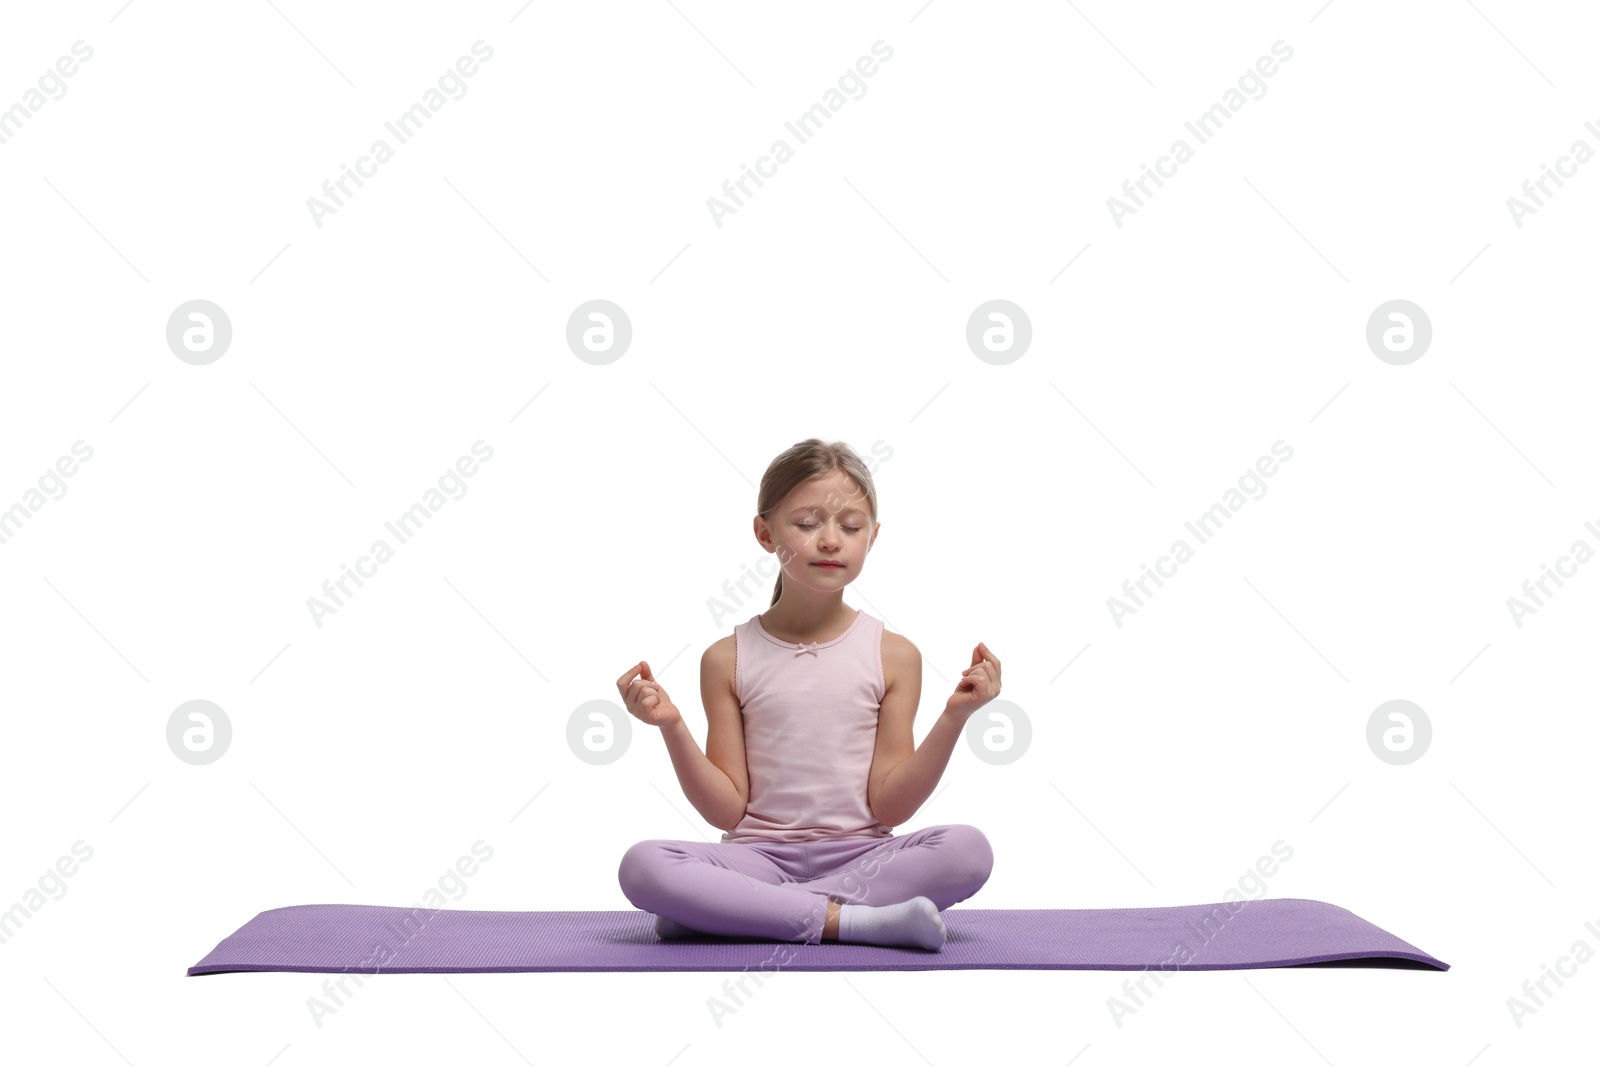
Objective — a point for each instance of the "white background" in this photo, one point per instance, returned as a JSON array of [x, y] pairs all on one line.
[[429, 312]]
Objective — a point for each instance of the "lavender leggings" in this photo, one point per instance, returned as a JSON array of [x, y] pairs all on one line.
[[780, 889]]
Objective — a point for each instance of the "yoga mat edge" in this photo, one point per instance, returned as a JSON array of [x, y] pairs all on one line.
[[377, 939]]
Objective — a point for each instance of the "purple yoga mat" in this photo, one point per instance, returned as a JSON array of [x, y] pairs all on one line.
[[370, 939]]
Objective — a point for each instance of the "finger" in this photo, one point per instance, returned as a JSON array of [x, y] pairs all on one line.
[[992, 658], [622, 682], [647, 673]]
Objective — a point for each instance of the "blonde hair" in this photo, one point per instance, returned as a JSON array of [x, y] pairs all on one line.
[[802, 462]]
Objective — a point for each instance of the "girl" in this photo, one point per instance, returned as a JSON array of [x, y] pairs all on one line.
[[809, 759]]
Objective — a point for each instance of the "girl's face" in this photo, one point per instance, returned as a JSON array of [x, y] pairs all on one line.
[[824, 520]]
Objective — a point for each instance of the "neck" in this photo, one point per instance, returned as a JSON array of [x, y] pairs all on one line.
[[806, 615]]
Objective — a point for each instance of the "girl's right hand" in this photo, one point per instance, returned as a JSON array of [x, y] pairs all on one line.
[[645, 698]]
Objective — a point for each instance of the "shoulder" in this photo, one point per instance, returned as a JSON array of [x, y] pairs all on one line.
[[719, 655], [902, 661]]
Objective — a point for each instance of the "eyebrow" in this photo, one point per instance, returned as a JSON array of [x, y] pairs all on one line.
[[798, 508]]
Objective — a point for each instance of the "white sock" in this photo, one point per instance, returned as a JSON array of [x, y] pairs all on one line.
[[912, 922], [666, 927]]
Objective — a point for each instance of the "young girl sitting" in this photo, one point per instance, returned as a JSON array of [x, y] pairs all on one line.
[[809, 757]]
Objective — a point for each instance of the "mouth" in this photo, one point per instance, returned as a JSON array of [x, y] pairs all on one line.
[[837, 566]]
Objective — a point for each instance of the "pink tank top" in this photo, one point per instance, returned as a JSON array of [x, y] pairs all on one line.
[[810, 728]]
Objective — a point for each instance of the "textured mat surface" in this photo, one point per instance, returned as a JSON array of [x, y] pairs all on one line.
[[371, 939]]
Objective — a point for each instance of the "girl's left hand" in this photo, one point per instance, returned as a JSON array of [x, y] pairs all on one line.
[[979, 684]]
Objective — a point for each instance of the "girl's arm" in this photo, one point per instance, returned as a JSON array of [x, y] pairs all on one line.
[[717, 784], [901, 782]]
